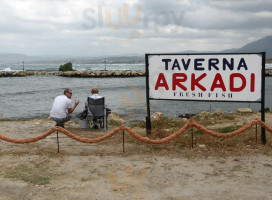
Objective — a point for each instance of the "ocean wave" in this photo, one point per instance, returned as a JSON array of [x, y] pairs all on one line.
[[8, 69], [268, 66]]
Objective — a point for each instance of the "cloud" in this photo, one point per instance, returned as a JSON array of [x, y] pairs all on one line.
[[92, 28], [242, 5]]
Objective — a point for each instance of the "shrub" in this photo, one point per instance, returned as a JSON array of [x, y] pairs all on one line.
[[66, 67]]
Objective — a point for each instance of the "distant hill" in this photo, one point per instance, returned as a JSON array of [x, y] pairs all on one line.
[[19, 58], [12, 58], [112, 59], [261, 45], [9, 57]]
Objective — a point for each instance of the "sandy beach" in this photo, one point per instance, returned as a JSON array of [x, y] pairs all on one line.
[[213, 169]]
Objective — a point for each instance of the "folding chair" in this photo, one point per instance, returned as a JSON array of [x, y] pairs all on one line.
[[97, 112]]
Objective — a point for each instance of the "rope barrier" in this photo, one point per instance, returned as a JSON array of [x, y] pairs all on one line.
[[146, 140], [28, 140]]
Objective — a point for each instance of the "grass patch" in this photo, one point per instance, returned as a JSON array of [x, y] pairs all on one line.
[[267, 153], [181, 145], [15, 120], [229, 117], [228, 129], [23, 119], [84, 179], [34, 176], [165, 123], [267, 165], [198, 132], [236, 168], [156, 147], [114, 122], [5, 120], [165, 126], [140, 124]]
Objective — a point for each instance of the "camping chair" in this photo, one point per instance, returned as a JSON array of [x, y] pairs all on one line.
[[97, 112]]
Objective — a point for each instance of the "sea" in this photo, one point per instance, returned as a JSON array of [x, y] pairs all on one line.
[[32, 96]]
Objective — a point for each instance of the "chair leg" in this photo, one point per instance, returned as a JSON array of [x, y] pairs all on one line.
[[99, 123], [105, 122], [95, 123]]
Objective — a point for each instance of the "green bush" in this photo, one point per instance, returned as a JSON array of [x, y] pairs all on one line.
[[66, 67]]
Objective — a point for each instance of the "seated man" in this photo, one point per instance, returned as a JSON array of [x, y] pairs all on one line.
[[94, 96], [62, 108]]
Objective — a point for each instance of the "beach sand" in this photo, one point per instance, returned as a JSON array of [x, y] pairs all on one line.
[[156, 172]]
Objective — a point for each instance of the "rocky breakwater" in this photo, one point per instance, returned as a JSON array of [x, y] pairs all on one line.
[[27, 73], [101, 74], [268, 72], [83, 74], [13, 74]]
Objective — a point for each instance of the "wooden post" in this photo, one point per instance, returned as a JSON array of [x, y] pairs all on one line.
[[123, 141], [192, 132], [148, 121], [263, 96], [58, 140], [256, 133]]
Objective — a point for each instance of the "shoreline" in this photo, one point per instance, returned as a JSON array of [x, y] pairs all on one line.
[[83, 74]]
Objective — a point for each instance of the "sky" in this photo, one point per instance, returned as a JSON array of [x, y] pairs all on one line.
[[118, 27]]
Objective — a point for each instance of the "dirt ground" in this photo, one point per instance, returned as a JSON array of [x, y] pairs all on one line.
[[213, 169]]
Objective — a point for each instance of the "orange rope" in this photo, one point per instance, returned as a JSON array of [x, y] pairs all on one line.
[[29, 140], [225, 135], [173, 136]]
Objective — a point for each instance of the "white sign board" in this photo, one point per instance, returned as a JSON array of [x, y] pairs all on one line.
[[218, 77]]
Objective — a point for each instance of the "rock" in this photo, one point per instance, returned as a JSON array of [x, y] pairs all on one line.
[[202, 145], [268, 72], [205, 113], [239, 124], [109, 73], [218, 111], [21, 73], [157, 116], [184, 120], [118, 73], [186, 115], [244, 110], [141, 73], [98, 73]]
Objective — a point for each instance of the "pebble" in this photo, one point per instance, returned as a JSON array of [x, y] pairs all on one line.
[[244, 110]]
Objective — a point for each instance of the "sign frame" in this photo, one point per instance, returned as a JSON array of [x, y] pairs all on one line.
[[262, 101]]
